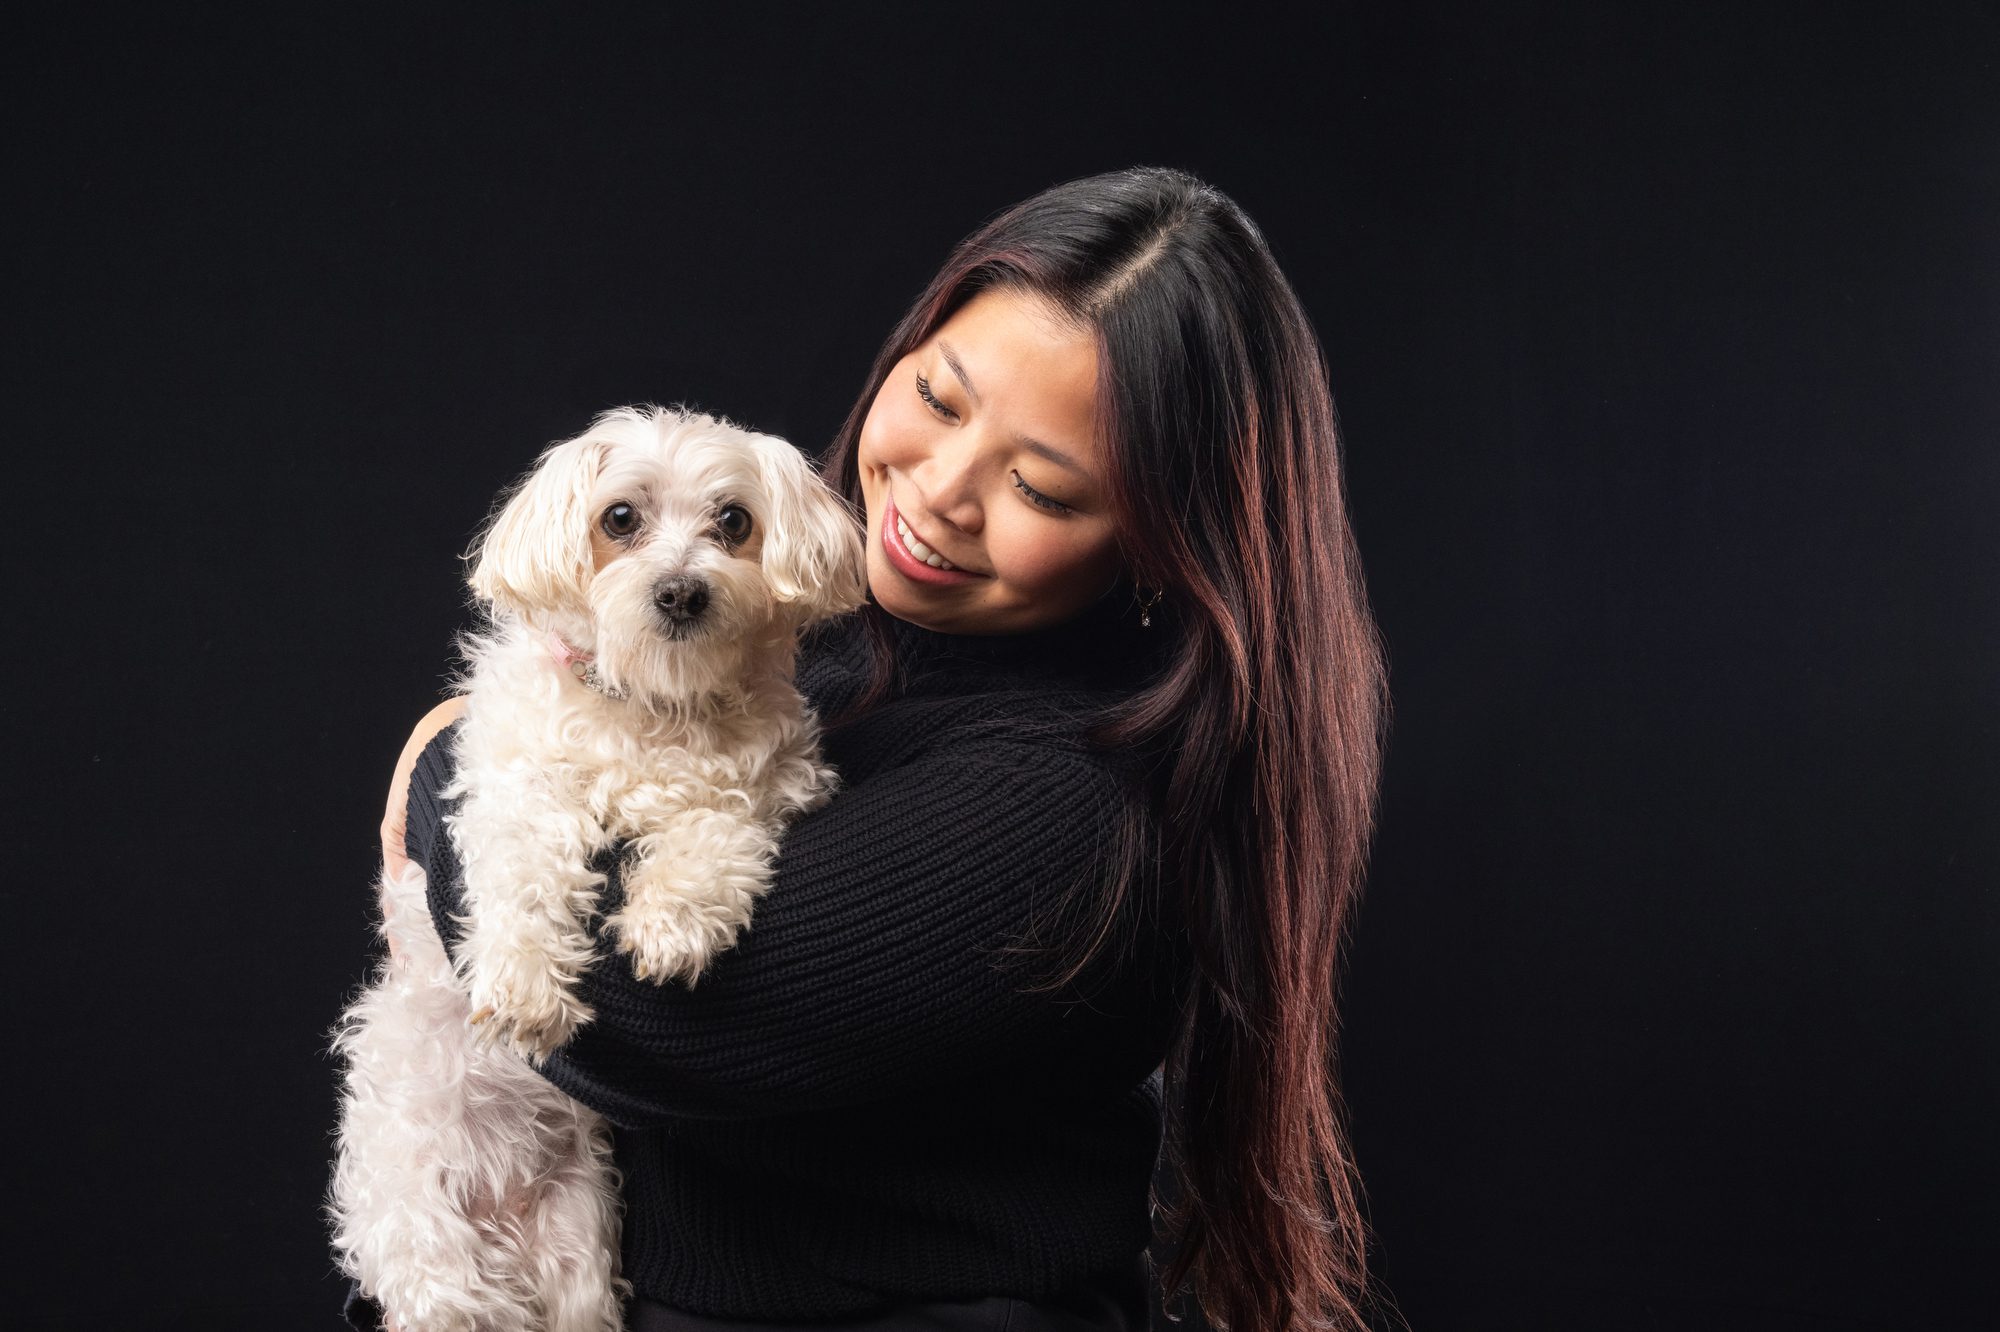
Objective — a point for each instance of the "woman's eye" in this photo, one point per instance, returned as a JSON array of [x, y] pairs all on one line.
[[1038, 497], [621, 520], [734, 522], [924, 392]]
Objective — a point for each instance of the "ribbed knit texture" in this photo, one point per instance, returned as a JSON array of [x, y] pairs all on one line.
[[857, 1106]]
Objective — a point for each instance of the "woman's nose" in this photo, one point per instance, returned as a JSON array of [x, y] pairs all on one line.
[[950, 481]]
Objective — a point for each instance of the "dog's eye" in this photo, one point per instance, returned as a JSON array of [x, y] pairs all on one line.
[[734, 520], [621, 520]]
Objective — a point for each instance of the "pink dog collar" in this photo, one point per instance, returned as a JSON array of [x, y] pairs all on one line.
[[575, 662]]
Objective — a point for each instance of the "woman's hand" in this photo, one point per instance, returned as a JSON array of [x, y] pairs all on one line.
[[394, 855]]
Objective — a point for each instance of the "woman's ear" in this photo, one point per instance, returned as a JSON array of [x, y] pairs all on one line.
[[535, 553], [814, 557]]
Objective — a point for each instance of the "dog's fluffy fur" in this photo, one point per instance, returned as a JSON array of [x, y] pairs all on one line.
[[469, 1193]]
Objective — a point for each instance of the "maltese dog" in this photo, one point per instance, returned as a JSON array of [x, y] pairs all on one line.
[[644, 588]]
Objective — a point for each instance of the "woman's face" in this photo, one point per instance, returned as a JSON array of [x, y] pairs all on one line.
[[981, 442]]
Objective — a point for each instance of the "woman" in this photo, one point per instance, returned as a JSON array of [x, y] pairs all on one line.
[[1114, 713]]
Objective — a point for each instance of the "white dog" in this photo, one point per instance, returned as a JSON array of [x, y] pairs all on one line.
[[644, 589]]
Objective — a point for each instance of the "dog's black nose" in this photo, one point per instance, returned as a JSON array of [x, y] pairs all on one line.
[[681, 598]]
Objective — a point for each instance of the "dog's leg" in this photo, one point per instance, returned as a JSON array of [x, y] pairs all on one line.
[[689, 887], [548, 1224], [409, 1147], [575, 1232], [529, 890]]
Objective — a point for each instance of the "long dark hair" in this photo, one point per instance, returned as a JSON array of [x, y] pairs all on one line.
[[1265, 724]]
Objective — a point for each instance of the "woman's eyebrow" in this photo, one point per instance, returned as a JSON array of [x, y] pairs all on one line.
[[1028, 442]]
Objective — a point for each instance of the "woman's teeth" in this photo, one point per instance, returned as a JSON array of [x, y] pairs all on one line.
[[918, 548]]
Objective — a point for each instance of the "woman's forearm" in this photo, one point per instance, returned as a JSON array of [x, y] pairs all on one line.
[[870, 966]]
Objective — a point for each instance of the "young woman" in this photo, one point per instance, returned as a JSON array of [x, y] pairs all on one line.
[[1109, 730]]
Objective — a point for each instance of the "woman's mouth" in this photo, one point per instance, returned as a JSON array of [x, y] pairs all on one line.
[[910, 557]]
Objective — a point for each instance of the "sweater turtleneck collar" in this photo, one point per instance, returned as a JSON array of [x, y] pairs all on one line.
[[1102, 644]]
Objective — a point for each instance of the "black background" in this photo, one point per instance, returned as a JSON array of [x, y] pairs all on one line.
[[1666, 347]]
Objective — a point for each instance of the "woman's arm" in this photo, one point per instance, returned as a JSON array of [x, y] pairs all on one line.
[[868, 969], [395, 818]]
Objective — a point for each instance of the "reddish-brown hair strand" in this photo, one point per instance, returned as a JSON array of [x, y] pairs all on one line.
[[1259, 738]]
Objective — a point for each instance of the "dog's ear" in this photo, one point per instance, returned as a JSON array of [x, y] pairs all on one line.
[[814, 556], [535, 553]]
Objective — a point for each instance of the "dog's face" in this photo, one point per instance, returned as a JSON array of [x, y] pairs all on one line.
[[674, 545]]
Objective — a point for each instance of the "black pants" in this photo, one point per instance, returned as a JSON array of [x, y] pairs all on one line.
[[1112, 1303]]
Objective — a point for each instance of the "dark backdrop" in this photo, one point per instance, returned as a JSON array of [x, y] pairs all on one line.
[[1665, 345]]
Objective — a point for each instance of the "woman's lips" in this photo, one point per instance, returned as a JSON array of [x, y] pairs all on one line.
[[907, 564]]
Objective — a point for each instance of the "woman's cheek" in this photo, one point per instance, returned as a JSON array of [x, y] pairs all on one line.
[[1032, 561], [889, 437], [878, 426]]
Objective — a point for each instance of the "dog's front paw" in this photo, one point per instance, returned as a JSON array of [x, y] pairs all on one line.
[[669, 937], [526, 1001]]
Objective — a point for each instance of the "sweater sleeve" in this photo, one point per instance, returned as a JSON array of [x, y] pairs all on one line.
[[868, 969]]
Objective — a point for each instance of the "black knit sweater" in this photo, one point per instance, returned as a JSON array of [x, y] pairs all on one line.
[[857, 1106]]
